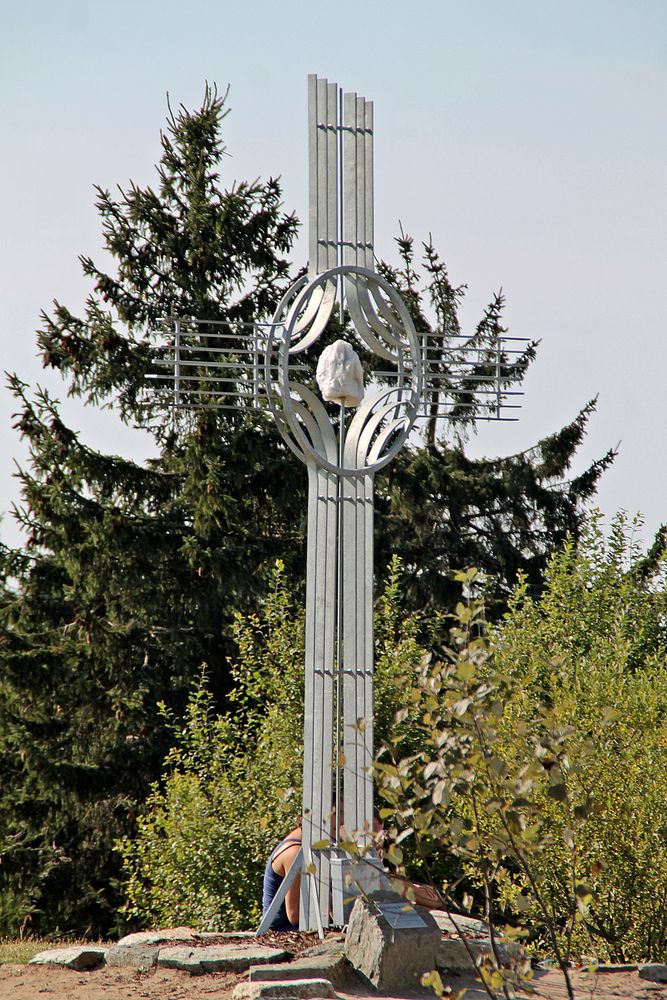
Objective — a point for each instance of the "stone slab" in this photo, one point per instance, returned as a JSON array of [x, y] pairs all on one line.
[[156, 937], [453, 954], [333, 944], [390, 943], [218, 958], [78, 957], [655, 972], [141, 949], [618, 967], [467, 925], [137, 956], [334, 967], [284, 990], [183, 958]]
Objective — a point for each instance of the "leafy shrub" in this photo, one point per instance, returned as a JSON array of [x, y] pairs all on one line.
[[532, 759], [232, 784], [209, 825], [594, 649], [542, 760]]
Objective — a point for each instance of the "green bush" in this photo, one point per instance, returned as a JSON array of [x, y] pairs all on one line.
[[226, 793], [232, 784], [593, 648], [542, 764], [528, 767]]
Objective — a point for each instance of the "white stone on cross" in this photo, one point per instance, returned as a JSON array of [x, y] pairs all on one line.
[[340, 375]]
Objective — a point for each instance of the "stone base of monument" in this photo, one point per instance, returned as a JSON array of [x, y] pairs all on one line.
[[390, 943]]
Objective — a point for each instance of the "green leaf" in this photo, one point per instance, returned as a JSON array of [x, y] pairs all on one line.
[[432, 980], [497, 767], [465, 670], [438, 792], [609, 717], [583, 891], [395, 855]]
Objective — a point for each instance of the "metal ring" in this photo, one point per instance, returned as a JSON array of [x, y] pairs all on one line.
[[287, 415]]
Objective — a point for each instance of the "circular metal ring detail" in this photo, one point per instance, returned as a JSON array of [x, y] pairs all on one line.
[[373, 428]]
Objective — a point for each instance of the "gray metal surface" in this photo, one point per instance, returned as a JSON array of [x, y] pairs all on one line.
[[399, 915], [296, 869], [320, 637], [341, 468], [342, 458], [203, 364]]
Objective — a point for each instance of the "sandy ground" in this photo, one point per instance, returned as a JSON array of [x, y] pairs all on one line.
[[27, 982], [604, 986], [32, 982], [24, 982]]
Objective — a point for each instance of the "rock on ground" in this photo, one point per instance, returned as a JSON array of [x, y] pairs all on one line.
[[78, 957], [135, 956], [390, 943], [453, 954], [324, 961], [655, 972], [218, 958], [140, 950], [466, 925], [297, 988]]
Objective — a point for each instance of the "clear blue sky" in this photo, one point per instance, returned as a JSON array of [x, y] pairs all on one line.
[[528, 137]]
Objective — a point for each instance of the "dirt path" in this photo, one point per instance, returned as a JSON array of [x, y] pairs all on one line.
[[25, 982], [604, 986], [32, 982]]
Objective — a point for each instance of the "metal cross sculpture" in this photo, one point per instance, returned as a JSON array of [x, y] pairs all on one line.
[[342, 451]]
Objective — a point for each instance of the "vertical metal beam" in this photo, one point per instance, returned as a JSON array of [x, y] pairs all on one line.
[[351, 664], [319, 690], [369, 648], [358, 650], [332, 175], [369, 185], [341, 220], [322, 177], [340, 543], [360, 181], [340, 145], [350, 228], [313, 194], [339, 591]]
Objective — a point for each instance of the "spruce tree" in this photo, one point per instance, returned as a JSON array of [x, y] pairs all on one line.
[[131, 573]]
